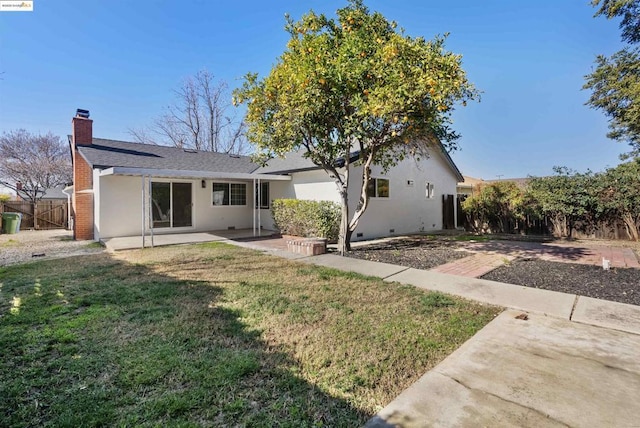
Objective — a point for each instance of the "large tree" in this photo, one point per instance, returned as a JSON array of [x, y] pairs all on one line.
[[620, 195], [564, 198], [354, 84], [615, 82], [201, 118], [31, 163]]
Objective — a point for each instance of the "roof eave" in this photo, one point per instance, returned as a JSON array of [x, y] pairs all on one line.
[[169, 173]]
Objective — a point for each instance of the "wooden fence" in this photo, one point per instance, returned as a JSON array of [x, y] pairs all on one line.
[[50, 214]]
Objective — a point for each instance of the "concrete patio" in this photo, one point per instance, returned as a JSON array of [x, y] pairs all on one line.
[[159, 240]]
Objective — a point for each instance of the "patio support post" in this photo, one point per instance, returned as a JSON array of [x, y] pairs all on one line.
[[144, 216], [259, 203], [254, 207], [151, 210]]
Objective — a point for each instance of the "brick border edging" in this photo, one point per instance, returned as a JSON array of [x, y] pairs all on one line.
[[307, 246]]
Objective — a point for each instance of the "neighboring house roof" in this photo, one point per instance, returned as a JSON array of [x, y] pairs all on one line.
[[520, 182], [472, 181], [104, 154], [469, 183], [52, 193], [6, 191]]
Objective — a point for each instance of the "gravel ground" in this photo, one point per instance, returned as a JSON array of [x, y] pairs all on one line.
[[31, 245], [418, 252], [618, 285]]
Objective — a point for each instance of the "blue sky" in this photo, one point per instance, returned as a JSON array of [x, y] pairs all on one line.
[[122, 59]]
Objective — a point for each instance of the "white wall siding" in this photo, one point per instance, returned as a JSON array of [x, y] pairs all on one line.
[[118, 208], [407, 209], [96, 205], [118, 201], [210, 217], [314, 185]]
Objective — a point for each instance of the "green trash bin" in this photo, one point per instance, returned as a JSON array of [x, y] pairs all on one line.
[[11, 222]]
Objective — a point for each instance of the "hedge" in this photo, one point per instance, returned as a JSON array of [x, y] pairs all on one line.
[[312, 219]]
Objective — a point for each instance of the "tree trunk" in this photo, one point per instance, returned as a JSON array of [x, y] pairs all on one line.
[[630, 223], [344, 238]]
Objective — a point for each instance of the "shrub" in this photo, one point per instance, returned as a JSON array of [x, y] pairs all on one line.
[[319, 219]]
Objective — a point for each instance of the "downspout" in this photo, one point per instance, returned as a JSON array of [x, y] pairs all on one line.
[[69, 225]]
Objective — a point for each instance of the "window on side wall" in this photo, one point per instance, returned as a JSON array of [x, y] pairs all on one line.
[[429, 192], [378, 188], [229, 194], [262, 198]]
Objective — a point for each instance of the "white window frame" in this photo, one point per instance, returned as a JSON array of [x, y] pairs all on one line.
[[429, 190], [260, 194], [375, 180], [228, 184]]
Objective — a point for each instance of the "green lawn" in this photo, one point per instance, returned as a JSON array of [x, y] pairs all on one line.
[[213, 335]]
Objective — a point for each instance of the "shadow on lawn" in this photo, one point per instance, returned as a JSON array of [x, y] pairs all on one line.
[[98, 341]]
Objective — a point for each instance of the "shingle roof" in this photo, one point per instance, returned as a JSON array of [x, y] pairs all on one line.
[[111, 153], [293, 161], [103, 153], [296, 162]]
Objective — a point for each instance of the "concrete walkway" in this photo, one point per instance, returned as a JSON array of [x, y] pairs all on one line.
[[527, 371], [552, 359]]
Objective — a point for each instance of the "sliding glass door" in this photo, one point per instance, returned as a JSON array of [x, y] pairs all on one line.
[[171, 204]]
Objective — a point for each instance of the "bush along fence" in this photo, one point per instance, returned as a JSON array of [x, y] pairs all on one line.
[[309, 219], [568, 204]]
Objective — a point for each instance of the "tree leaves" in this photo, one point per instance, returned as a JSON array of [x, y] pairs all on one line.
[[615, 83], [355, 83]]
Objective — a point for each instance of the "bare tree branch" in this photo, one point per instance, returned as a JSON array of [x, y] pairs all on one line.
[[202, 117], [30, 164]]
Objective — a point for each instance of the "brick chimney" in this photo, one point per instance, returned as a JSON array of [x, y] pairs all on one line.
[[82, 135], [82, 128]]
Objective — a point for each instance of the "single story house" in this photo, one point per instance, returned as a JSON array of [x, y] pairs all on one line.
[[128, 189]]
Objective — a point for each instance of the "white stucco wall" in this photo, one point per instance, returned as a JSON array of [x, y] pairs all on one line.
[[118, 208], [118, 201], [406, 210]]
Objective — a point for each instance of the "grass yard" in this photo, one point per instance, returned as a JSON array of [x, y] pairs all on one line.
[[213, 335]]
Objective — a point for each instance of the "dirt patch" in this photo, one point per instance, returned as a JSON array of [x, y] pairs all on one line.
[[34, 245], [619, 285], [414, 252]]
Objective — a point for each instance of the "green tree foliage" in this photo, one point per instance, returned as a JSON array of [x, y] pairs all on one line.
[[615, 83], [620, 195], [569, 200], [354, 83], [495, 207], [564, 198]]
